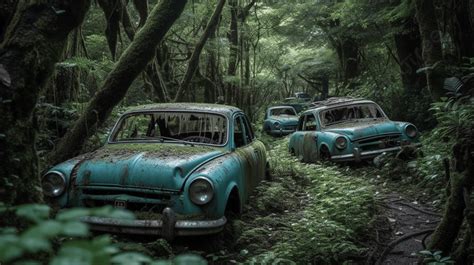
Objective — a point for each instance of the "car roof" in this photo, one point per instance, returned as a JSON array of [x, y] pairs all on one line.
[[336, 102], [281, 107], [206, 107]]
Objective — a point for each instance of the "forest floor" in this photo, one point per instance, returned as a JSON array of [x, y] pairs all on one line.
[[408, 223], [318, 214]]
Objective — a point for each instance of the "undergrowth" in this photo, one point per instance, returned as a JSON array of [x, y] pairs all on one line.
[[309, 213]]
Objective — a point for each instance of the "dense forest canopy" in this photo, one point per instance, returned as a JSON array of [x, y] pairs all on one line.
[[69, 68]]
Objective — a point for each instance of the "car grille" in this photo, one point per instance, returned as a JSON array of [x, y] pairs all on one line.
[[94, 200], [379, 142], [132, 206], [148, 195]]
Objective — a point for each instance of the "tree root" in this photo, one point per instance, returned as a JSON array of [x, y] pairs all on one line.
[[398, 241], [421, 210]]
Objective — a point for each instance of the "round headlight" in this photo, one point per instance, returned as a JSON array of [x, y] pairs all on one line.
[[411, 131], [276, 125], [201, 191], [341, 142], [53, 184]]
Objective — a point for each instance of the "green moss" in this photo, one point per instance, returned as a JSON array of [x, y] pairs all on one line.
[[162, 148]]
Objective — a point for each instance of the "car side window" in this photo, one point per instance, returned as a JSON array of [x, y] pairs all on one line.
[[310, 123], [249, 136], [239, 132]]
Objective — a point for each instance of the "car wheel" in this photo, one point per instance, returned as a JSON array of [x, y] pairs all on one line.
[[324, 154], [268, 175]]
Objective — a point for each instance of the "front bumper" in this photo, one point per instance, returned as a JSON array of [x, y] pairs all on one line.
[[280, 132], [169, 227], [357, 155]]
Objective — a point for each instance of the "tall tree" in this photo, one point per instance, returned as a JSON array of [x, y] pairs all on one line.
[[194, 60], [132, 62], [233, 37], [431, 45], [35, 40], [408, 46]]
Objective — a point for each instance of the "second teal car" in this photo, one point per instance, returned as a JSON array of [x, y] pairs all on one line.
[[280, 120], [180, 167], [348, 129]]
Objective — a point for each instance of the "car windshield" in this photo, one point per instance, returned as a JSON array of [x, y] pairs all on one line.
[[351, 113], [184, 127], [282, 111], [303, 95]]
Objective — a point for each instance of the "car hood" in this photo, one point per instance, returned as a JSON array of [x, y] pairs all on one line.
[[285, 119], [357, 130], [156, 165]]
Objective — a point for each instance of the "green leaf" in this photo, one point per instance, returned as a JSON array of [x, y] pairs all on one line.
[[425, 252], [75, 229], [73, 214], [9, 248], [189, 259], [47, 229], [109, 211], [33, 212], [34, 245], [131, 258]]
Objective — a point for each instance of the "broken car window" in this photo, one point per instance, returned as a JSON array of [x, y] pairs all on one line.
[[206, 128], [282, 111], [351, 113]]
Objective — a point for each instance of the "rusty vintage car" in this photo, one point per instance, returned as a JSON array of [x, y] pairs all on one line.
[[280, 120], [348, 129], [180, 167]]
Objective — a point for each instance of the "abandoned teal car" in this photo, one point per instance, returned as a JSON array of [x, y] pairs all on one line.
[[348, 129], [179, 167], [280, 120]]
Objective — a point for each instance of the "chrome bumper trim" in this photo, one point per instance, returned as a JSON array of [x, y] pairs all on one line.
[[357, 155], [163, 228]]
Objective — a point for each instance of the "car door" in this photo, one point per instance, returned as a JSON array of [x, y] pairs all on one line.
[[247, 152], [306, 145], [258, 152]]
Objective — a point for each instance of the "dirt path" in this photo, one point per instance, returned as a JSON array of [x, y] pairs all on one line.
[[407, 224]]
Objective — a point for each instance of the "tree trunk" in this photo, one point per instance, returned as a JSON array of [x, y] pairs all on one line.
[[408, 44], [463, 30], [142, 8], [112, 13], [34, 43], [233, 37], [431, 45], [463, 180], [325, 87], [7, 9], [194, 60], [132, 62], [64, 84]]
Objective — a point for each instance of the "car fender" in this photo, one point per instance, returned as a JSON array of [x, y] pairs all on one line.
[[66, 168], [224, 175], [327, 139]]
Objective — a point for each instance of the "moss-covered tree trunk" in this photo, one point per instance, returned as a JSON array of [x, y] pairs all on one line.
[[431, 45], [462, 183], [132, 62], [194, 60], [33, 43]]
